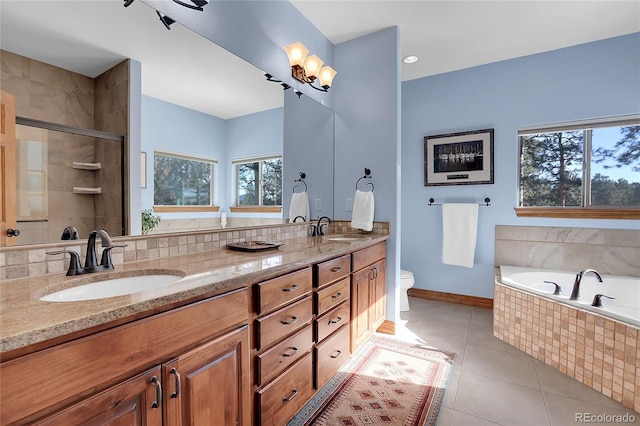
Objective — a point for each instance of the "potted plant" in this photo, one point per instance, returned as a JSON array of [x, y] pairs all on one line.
[[149, 221]]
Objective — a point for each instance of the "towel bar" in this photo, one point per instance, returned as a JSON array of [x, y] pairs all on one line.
[[487, 202], [302, 176]]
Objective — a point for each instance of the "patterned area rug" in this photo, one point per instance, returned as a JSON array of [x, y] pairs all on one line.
[[386, 382]]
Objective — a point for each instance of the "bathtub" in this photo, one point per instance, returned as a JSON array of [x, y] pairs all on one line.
[[626, 290]]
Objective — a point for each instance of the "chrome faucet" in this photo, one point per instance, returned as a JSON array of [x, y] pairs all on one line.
[[576, 284], [318, 229], [296, 218]]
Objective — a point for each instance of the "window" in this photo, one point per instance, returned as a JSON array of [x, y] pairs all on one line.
[[585, 165], [259, 182], [182, 180]]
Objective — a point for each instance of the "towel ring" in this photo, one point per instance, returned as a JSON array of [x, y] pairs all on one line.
[[302, 176], [367, 175]]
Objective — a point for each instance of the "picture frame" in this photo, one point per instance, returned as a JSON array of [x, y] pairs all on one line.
[[463, 158], [143, 169]]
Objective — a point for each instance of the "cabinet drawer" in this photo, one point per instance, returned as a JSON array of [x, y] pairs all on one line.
[[275, 360], [331, 355], [331, 321], [333, 295], [365, 257], [283, 322], [278, 291], [333, 270], [281, 399]]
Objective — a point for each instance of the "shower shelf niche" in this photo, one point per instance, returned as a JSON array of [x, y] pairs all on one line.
[[87, 191], [86, 166]]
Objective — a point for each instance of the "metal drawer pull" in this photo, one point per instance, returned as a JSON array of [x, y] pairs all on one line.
[[292, 288], [337, 296], [335, 321], [156, 403], [293, 319], [177, 392], [294, 351], [337, 355], [293, 395], [336, 269]]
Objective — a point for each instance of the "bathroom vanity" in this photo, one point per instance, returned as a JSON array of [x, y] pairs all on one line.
[[247, 342]]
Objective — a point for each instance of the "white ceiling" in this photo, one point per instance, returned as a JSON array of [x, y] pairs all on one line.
[[178, 66]]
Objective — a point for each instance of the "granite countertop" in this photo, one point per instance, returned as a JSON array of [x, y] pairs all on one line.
[[25, 320]]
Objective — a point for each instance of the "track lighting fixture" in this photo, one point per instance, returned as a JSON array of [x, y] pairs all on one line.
[[166, 21], [197, 4]]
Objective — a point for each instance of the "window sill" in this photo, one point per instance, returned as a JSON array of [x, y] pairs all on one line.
[[185, 209], [578, 212], [256, 209]]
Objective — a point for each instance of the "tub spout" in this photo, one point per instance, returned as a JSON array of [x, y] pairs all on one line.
[[576, 284]]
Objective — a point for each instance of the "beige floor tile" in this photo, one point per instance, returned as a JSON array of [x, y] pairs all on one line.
[[511, 367], [551, 381], [568, 411], [499, 401], [461, 419]]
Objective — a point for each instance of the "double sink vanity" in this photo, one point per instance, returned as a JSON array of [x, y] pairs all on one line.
[[231, 338]]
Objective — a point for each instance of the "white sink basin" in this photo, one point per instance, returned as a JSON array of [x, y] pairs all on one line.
[[112, 287]]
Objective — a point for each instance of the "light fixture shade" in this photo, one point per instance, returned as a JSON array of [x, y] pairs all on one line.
[[297, 53], [326, 76], [312, 66]]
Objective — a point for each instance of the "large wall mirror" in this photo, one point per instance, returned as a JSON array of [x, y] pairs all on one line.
[[217, 109]]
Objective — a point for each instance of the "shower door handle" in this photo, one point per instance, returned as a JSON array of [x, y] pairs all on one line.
[[13, 232]]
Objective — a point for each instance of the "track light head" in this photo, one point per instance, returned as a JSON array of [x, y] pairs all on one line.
[[166, 21], [127, 3]]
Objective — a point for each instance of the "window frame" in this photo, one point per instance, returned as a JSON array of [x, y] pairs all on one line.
[[167, 208], [586, 211], [252, 208]]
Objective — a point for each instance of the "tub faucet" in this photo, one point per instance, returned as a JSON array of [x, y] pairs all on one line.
[[576, 284], [295, 219]]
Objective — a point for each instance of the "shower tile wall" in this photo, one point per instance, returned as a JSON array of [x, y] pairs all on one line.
[[48, 93]]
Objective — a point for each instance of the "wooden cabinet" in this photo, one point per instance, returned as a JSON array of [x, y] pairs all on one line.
[[207, 341], [368, 293], [283, 341], [209, 385], [136, 401]]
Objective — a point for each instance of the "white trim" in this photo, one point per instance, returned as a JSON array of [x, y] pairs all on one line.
[[619, 121], [184, 156], [256, 159]]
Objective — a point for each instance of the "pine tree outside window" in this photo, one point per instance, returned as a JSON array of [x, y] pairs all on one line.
[[589, 169], [259, 182]]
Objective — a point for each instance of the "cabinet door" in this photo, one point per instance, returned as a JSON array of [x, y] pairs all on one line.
[[137, 401], [360, 321], [379, 290], [209, 385]]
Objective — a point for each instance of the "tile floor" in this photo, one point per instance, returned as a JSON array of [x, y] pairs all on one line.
[[494, 383]]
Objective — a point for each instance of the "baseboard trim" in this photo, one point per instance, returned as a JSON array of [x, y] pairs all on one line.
[[387, 327], [461, 299]]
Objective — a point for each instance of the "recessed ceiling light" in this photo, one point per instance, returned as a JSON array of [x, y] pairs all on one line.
[[411, 59]]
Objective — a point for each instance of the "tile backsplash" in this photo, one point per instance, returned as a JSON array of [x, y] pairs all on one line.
[[32, 260], [609, 251]]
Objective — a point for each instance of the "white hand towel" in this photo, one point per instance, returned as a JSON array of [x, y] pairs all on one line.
[[363, 208], [299, 206], [459, 233]]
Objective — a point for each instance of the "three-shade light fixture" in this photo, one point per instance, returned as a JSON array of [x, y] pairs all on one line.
[[308, 69]]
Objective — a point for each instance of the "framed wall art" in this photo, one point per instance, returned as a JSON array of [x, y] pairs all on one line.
[[464, 158]]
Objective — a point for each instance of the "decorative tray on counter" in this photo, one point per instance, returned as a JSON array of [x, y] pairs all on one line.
[[253, 245]]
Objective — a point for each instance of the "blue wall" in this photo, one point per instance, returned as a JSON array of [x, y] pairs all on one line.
[[592, 80]]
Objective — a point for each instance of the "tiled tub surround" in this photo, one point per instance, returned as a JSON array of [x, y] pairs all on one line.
[[600, 352], [210, 269]]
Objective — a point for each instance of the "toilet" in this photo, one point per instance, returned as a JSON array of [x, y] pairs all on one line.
[[406, 282]]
